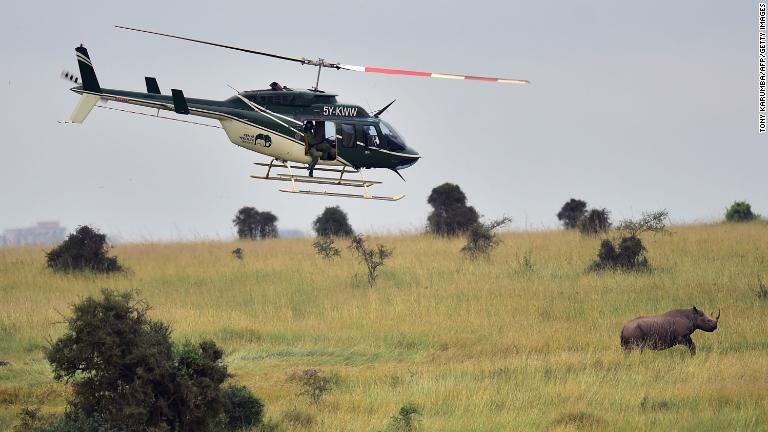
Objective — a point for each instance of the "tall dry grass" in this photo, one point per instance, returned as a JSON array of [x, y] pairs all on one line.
[[525, 340]]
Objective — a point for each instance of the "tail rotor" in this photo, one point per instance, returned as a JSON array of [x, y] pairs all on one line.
[[69, 76]]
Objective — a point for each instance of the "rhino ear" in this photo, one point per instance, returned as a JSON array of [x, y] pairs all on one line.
[[696, 310]]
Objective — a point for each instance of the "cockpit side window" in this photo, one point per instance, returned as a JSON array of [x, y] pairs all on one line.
[[371, 136], [347, 132]]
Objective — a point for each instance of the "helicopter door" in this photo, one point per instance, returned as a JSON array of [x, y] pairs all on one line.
[[330, 139], [325, 133]]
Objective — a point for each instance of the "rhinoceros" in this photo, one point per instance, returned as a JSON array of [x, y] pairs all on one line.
[[660, 332]]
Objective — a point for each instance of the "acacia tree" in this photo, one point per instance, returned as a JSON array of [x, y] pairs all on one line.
[[450, 215], [571, 212], [253, 224], [333, 222]]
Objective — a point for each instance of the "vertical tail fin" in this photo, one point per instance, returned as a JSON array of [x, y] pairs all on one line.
[[87, 73], [90, 84]]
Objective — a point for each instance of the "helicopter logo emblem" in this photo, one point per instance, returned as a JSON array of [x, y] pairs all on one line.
[[262, 140]]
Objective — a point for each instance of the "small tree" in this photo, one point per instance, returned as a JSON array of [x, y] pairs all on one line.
[[238, 254], [406, 420], [739, 211], [571, 212], [594, 222], [627, 252], [314, 384], [762, 290], [371, 258], [655, 222], [481, 238], [84, 250], [332, 222], [253, 224], [324, 246], [450, 215]]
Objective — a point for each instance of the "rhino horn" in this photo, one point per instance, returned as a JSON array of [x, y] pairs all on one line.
[[717, 318]]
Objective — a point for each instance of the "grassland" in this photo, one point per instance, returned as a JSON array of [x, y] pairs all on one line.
[[524, 341]]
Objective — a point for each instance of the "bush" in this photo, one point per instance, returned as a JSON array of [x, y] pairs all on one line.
[[372, 259], [242, 410], [332, 222], [324, 246], [571, 212], [629, 255], [30, 420], [628, 251], [238, 254], [481, 238], [84, 250], [253, 224], [579, 420], [450, 215], [314, 384], [740, 211], [298, 418], [124, 369], [406, 419], [595, 222], [762, 290], [526, 263]]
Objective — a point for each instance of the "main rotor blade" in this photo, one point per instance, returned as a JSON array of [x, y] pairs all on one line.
[[323, 63], [298, 60], [430, 74]]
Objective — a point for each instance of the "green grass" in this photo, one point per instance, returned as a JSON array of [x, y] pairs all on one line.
[[525, 340]]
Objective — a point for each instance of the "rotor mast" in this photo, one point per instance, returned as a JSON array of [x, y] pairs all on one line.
[[320, 63], [317, 81]]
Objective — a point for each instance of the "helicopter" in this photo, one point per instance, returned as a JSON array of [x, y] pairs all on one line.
[[291, 126]]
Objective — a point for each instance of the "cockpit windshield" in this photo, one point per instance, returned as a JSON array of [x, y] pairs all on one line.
[[395, 141]]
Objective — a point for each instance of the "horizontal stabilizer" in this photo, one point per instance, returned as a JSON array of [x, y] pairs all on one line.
[[83, 108], [152, 86], [179, 102]]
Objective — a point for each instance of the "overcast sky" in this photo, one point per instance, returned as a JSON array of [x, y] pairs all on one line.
[[632, 107]]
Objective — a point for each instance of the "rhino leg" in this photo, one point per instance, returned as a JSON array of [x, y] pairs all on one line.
[[687, 341]]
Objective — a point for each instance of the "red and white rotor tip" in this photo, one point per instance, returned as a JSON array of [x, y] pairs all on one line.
[[430, 74]]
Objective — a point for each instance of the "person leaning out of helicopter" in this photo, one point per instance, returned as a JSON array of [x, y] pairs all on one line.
[[315, 145]]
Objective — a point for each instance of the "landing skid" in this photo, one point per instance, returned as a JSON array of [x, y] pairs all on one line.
[[327, 181]]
